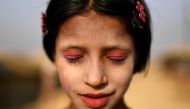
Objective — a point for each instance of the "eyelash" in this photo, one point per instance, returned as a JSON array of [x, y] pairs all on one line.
[[77, 58], [73, 58], [117, 59]]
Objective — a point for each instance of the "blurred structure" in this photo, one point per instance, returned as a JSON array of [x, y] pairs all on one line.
[[25, 79], [19, 81], [50, 94], [176, 63]]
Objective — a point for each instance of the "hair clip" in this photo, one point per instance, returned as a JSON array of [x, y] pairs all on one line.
[[43, 26], [141, 13]]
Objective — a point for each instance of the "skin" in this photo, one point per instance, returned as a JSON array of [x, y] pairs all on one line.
[[94, 54]]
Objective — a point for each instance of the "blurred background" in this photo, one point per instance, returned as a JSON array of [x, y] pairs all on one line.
[[29, 81]]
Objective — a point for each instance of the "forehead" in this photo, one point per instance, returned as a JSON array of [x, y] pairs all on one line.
[[95, 28]]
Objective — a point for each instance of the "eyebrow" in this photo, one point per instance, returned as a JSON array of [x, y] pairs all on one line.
[[103, 50], [115, 47], [106, 49], [73, 47]]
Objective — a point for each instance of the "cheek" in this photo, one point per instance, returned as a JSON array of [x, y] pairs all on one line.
[[121, 77], [121, 80], [69, 77], [64, 78]]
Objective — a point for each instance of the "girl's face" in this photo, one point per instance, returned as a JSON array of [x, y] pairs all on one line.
[[94, 57]]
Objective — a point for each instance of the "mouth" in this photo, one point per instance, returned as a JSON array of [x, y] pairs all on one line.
[[95, 100]]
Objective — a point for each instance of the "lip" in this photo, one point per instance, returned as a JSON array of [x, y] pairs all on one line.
[[95, 100]]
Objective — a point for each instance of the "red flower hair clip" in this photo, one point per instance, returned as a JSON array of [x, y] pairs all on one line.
[[141, 13], [140, 9], [43, 26]]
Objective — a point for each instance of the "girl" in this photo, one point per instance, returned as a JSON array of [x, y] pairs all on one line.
[[97, 46]]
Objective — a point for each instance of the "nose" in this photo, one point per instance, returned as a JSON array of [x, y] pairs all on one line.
[[96, 76]]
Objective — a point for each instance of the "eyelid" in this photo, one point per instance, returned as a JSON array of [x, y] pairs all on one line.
[[73, 56], [117, 57], [72, 51], [117, 52]]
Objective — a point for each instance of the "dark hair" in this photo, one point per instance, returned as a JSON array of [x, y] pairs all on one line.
[[59, 10]]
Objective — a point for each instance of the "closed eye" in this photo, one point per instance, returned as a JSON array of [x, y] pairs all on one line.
[[73, 58], [117, 59]]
